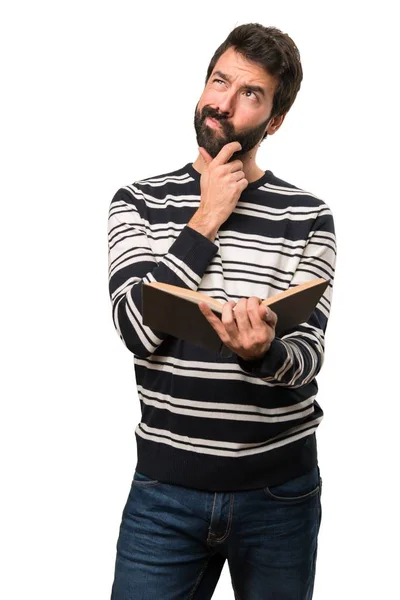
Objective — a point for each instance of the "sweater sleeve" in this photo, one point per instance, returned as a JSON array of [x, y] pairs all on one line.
[[132, 262], [296, 358]]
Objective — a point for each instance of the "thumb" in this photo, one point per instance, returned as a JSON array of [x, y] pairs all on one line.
[[206, 157], [268, 315]]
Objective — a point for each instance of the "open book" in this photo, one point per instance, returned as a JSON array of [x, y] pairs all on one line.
[[175, 311]]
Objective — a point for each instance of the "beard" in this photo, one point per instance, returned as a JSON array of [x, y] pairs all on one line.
[[213, 140]]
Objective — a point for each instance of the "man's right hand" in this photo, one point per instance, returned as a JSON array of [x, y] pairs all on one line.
[[221, 185]]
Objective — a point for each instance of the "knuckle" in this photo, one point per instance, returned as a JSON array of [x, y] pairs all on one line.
[[247, 345], [253, 301], [227, 320]]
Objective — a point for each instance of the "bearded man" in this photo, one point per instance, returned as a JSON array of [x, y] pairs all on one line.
[[227, 461]]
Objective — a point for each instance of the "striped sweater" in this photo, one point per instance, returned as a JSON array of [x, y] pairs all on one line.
[[207, 422]]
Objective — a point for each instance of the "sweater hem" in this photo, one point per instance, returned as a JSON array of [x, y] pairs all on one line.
[[198, 471]]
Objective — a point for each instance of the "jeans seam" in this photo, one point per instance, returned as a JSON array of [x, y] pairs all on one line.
[[141, 482], [145, 483], [228, 527], [313, 492], [199, 578], [212, 514]]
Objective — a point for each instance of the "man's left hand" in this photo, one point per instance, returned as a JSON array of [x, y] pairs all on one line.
[[247, 327]]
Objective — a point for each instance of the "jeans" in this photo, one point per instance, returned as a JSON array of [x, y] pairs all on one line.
[[173, 541]]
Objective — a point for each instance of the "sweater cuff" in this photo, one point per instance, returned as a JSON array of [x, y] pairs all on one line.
[[194, 249], [268, 365]]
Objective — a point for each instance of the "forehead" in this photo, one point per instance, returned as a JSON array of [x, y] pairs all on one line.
[[239, 69]]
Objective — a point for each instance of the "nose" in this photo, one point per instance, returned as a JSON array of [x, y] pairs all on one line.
[[226, 103]]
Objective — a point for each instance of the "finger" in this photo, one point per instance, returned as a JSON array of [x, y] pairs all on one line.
[[226, 152], [206, 157], [228, 318], [238, 175], [241, 316], [268, 315], [243, 183], [214, 321], [256, 316], [235, 165]]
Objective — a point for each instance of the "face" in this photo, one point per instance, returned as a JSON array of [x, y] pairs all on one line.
[[236, 105]]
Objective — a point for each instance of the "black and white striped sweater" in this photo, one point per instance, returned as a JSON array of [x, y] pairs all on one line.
[[213, 423]]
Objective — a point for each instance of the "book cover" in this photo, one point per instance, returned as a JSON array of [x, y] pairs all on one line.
[[175, 311]]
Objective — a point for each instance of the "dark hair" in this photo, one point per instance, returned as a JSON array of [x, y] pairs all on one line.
[[273, 50]]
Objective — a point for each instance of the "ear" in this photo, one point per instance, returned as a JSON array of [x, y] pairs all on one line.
[[274, 124]]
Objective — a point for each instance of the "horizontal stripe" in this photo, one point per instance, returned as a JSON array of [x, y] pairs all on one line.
[[285, 215], [160, 182], [286, 191], [173, 366], [187, 275], [165, 437], [208, 408], [260, 242], [166, 404]]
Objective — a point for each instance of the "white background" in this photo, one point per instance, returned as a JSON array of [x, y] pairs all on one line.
[[96, 95]]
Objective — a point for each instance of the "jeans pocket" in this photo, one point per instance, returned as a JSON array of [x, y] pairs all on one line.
[[297, 489], [142, 480]]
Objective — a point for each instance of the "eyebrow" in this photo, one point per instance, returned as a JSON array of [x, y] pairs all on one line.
[[248, 86]]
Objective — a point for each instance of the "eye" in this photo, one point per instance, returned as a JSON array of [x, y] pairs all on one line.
[[251, 92], [218, 81]]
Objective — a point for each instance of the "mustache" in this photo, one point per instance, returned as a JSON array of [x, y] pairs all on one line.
[[208, 111]]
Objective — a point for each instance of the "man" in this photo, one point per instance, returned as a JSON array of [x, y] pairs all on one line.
[[227, 462]]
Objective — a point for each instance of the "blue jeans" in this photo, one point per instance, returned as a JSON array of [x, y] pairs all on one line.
[[173, 541]]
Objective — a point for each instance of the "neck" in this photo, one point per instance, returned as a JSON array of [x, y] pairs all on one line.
[[251, 171]]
